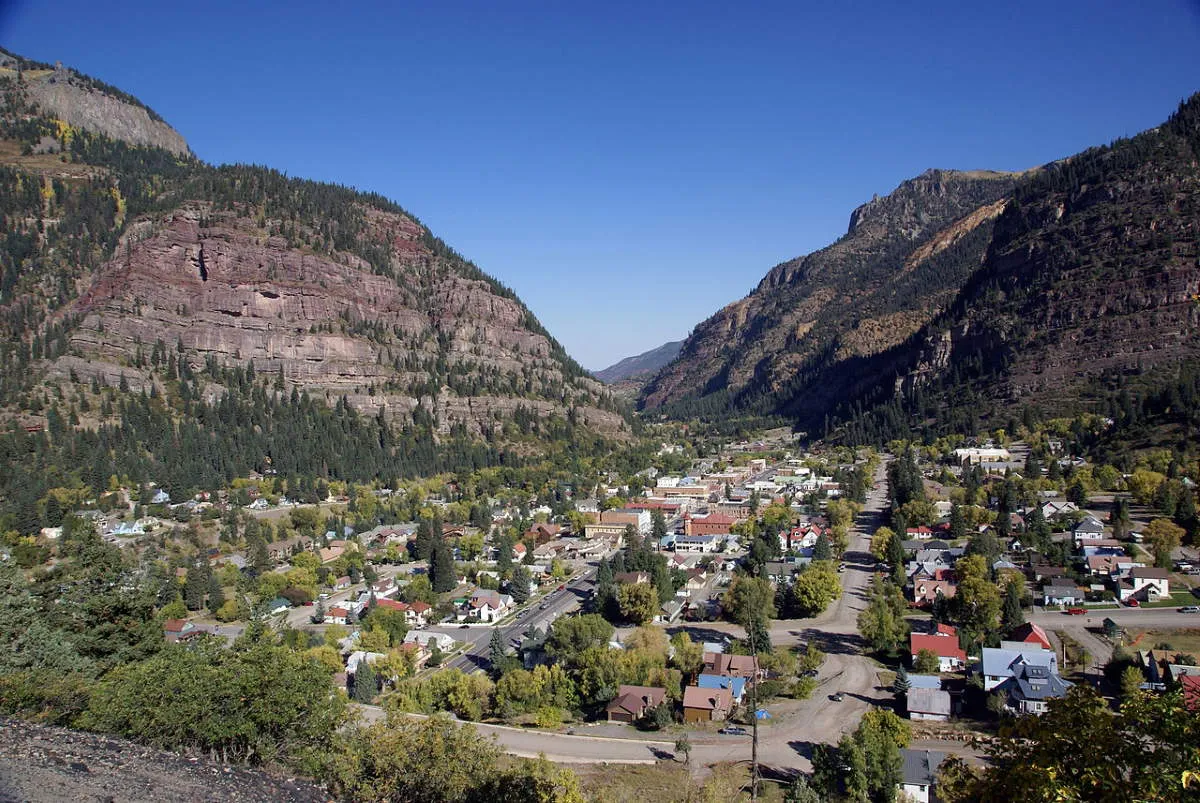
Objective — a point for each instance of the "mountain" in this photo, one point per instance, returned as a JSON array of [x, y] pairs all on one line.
[[968, 295], [127, 263], [642, 365], [902, 258]]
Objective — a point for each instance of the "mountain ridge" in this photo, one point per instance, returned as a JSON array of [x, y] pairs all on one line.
[[126, 252], [648, 362], [1073, 272]]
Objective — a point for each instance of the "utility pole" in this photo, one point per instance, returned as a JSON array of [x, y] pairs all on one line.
[[754, 731]]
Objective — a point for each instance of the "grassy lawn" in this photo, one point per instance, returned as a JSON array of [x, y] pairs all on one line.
[[1183, 640], [1176, 600]]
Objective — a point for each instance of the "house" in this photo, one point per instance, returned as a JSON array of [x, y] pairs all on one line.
[[928, 704], [999, 665], [734, 666], [519, 551], [179, 630], [919, 773], [330, 553], [337, 616], [632, 703], [1145, 584], [978, 455], [736, 686], [1031, 688], [1031, 634], [632, 578], [943, 642], [342, 582], [706, 705], [540, 533], [927, 587], [426, 638], [487, 605], [924, 682], [418, 613], [160, 498], [1089, 529], [1062, 592], [670, 611]]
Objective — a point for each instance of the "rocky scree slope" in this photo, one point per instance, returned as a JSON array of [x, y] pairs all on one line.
[[122, 256], [41, 764]]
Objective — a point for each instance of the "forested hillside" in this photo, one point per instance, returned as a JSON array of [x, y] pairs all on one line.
[[1059, 291], [166, 319]]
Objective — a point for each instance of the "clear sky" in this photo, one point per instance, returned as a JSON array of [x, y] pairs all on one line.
[[630, 168]]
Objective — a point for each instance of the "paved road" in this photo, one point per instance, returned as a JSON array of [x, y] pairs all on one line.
[[476, 658], [1132, 619]]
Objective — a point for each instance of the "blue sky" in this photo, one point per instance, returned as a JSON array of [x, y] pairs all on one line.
[[630, 168]]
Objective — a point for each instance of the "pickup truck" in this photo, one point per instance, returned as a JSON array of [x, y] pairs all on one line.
[[1076, 611]]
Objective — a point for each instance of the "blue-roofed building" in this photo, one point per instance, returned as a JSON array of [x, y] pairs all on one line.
[[924, 682], [667, 541], [1032, 688], [736, 686], [1000, 665]]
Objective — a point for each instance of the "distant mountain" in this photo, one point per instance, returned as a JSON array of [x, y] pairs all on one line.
[[642, 365], [967, 295]]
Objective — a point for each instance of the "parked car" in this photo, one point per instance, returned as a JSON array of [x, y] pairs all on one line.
[[733, 730], [1190, 609], [1133, 603], [1076, 611], [837, 697]]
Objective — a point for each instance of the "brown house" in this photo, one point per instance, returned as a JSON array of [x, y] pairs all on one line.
[[706, 705], [632, 703], [730, 666]]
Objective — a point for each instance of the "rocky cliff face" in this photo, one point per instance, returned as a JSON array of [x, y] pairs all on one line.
[[83, 102], [984, 291], [901, 260], [119, 259]]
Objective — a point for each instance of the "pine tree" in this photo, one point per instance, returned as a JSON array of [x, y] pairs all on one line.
[[216, 594], [822, 550], [441, 569], [497, 654], [194, 588], [1012, 617], [366, 684]]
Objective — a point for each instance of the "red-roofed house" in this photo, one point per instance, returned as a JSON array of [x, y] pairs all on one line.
[[178, 630], [927, 588], [731, 666], [338, 616], [1031, 634], [944, 644]]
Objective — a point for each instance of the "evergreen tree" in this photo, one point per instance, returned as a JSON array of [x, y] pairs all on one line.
[[519, 585], [1012, 617], [194, 587], [441, 568], [958, 523], [216, 594], [366, 683], [822, 550], [497, 654]]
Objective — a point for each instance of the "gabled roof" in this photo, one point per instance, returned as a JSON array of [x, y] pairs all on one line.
[[998, 662], [944, 646], [929, 701], [636, 699], [1029, 632], [707, 699], [920, 766], [1149, 573], [736, 685], [924, 682]]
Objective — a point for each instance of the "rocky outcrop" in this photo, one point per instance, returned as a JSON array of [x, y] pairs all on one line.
[[902, 258], [206, 284], [83, 102]]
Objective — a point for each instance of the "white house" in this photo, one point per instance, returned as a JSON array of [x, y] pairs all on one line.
[[919, 773], [427, 637], [1145, 584], [1001, 665], [486, 605]]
